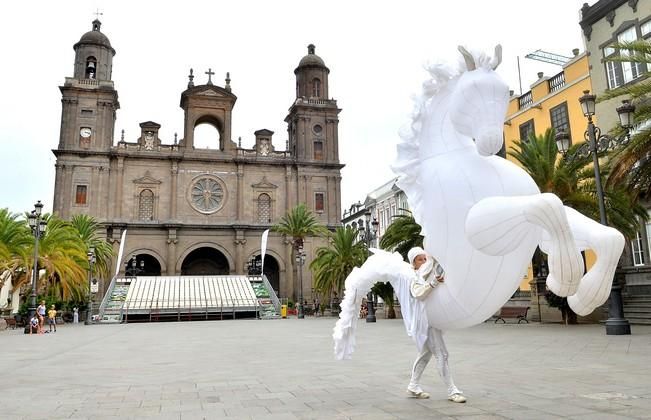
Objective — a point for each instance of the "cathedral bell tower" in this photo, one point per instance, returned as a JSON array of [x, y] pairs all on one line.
[[89, 98], [208, 104], [89, 103], [312, 122]]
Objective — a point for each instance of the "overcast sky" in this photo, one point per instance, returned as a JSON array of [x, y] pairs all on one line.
[[375, 54]]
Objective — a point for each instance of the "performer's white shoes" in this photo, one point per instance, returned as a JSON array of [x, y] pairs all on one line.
[[457, 398], [417, 394]]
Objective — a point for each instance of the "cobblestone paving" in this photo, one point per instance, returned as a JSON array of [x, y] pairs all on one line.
[[284, 369]]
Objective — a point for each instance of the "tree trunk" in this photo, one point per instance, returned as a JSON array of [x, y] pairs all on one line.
[[391, 313], [572, 317]]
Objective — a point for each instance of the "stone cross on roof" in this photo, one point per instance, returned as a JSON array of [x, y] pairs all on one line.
[[210, 73]]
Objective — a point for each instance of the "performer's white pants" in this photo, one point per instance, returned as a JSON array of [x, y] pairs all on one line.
[[434, 345]]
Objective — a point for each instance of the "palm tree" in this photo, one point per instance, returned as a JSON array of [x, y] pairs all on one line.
[[402, 234], [15, 240], [572, 179], [63, 257], [334, 263], [385, 291], [630, 165], [89, 231], [298, 224]]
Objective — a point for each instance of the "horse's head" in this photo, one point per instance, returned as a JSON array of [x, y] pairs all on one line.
[[479, 102]]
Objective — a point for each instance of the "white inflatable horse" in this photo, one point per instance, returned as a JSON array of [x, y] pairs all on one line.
[[481, 215]]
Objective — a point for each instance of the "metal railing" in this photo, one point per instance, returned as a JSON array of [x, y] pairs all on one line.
[[556, 82], [525, 100], [184, 310], [272, 293], [107, 296]]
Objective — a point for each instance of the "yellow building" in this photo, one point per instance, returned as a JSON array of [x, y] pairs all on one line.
[[551, 102]]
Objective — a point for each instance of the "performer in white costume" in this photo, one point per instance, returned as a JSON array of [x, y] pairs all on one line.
[[428, 275]]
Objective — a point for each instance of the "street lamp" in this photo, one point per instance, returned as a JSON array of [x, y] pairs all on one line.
[[300, 260], [616, 324], [254, 266], [132, 269], [91, 261], [368, 234], [38, 227]]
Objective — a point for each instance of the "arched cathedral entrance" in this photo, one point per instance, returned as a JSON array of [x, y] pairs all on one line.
[[205, 262], [271, 270]]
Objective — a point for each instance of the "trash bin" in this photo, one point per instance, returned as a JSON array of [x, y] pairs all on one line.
[[283, 311]]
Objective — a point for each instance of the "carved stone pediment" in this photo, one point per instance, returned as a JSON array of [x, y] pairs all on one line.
[[147, 179], [264, 184], [208, 92]]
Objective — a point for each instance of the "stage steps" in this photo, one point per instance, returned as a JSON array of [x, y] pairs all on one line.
[[112, 312], [637, 309], [267, 299]]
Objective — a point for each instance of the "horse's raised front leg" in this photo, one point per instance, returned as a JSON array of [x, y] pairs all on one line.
[[498, 225], [607, 244]]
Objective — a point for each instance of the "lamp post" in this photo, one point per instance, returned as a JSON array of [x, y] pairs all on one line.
[[616, 324], [369, 233], [38, 227], [91, 261], [300, 260], [254, 266], [132, 269]]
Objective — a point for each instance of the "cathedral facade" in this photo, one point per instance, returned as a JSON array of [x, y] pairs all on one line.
[[196, 211]]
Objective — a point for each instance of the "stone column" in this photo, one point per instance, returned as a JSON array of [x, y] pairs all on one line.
[[240, 193], [93, 204], [172, 240], [67, 191], [117, 203], [102, 183], [58, 188], [289, 201], [173, 189], [337, 199], [239, 243]]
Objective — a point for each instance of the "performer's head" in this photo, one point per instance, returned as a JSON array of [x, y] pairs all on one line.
[[417, 257]]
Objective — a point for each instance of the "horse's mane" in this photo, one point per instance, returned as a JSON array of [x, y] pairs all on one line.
[[407, 163]]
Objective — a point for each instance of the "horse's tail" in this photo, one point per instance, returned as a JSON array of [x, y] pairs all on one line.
[[382, 266]]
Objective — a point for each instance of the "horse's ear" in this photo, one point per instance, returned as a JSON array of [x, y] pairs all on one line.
[[497, 58], [468, 58]]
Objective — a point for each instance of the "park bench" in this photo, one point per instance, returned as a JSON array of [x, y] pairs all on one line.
[[518, 312], [11, 322]]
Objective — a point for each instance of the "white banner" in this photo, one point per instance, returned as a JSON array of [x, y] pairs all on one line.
[[122, 241], [263, 249]]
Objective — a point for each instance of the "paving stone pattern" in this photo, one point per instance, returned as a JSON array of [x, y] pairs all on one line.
[[284, 369]]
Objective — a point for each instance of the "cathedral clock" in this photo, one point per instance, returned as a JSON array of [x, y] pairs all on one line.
[[84, 137]]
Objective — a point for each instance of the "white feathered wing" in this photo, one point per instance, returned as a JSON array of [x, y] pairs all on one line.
[[385, 267]]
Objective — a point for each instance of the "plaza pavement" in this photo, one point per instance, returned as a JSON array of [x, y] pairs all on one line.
[[284, 369]]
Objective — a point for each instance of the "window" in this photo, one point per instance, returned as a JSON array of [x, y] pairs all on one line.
[[264, 208], [146, 205], [91, 67], [526, 130], [559, 118], [80, 196], [318, 150], [645, 28], [637, 250], [319, 199], [630, 70], [316, 87], [619, 73]]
